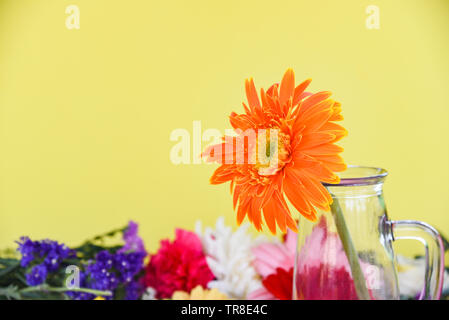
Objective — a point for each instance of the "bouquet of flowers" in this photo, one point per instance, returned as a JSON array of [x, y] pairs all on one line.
[[48, 269], [210, 264]]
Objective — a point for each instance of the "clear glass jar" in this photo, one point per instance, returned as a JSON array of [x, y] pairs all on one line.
[[322, 270]]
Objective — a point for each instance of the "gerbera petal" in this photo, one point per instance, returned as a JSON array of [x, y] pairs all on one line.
[[269, 215], [280, 218], [316, 195], [287, 86], [236, 195], [313, 100], [318, 120], [268, 257], [263, 98], [336, 117], [300, 160], [273, 90], [261, 294], [296, 140], [317, 108], [243, 206], [280, 212], [311, 140], [323, 150], [335, 129], [283, 215], [331, 126], [299, 91], [221, 153], [222, 174], [256, 208], [297, 199], [241, 121], [322, 173], [291, 223], [334, 166], [268, 194], [330, 158], [333, 162], [251, 94]]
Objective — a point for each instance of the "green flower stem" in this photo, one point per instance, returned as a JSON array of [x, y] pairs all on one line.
[[351, 253], [53, 289]]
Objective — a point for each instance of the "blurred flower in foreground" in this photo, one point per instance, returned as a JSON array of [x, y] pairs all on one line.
[[198, 293], [132, 240], [45, 255], [109, 271], [37, 275], [280, 284], [323, 268], [51, 251], [149, 294], [229, 256], [411, 277], [178, 265], [272, 255], [290, 152], [274, 261]]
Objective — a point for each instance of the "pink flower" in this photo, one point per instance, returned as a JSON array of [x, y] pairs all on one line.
[[178, 265], [270, 256], [268, 259], [323, 268]]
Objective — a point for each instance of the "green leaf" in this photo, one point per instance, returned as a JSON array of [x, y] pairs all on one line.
[[10, 265], [10, 292], [101, 238], [42, 295]]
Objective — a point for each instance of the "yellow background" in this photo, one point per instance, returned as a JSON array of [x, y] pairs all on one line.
[[86, 114]]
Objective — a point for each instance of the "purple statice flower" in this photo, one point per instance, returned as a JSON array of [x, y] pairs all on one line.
[[80, 295], [55, 254], [133, 290], [75, 295], [108, 271], [129, 264], [132, 240], [100, 272], [37, 275], [50, 251], [27, 249]]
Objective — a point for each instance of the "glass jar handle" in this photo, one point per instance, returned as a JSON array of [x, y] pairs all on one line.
[[433, 244]]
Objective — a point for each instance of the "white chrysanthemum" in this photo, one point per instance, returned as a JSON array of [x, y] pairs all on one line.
[[229, 257], [411, 276], [149, 294]]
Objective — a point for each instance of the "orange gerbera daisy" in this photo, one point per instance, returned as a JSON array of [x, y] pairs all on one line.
[[304, 149]]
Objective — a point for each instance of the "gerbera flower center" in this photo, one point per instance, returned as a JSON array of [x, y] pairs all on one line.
[[276, 152]]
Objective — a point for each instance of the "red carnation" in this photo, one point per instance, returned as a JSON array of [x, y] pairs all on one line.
[[178, 265]]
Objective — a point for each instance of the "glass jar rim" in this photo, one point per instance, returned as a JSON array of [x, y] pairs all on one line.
[[354, 176]]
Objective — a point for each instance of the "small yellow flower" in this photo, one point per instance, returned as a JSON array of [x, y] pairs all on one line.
[[198, 293], [99, 298]]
